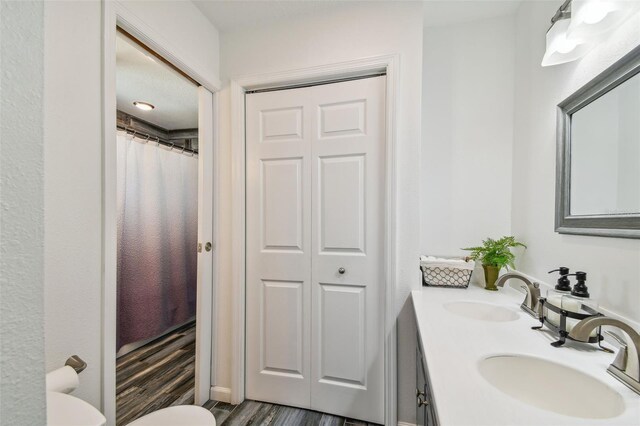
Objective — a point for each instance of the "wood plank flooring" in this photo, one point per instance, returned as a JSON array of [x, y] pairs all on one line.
[[157, 375], [265, 414], [161, 374]]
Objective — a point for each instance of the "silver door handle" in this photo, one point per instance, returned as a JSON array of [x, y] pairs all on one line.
[[422, 402], [207, 246], [341, 271]]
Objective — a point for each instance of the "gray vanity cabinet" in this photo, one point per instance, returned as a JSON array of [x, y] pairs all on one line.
[[425, 407]]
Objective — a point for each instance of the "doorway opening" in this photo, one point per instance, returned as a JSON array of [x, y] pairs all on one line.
[[157, 196]]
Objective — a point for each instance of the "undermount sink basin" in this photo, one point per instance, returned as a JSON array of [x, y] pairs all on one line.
[[481, 311], [551, 386]]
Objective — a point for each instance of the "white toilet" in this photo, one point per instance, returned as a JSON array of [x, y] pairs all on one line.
[[187, 415], [67, 410]]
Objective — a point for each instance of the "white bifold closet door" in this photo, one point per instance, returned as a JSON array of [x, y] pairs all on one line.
[[315, 229]]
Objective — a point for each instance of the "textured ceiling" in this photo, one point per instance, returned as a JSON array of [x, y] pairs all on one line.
[[141, 77], [240, 14]]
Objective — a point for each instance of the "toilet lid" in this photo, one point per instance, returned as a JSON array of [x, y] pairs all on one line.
[[67, 410], [180, 415]]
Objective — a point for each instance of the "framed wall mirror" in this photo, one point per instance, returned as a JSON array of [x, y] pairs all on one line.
[[598, 155]]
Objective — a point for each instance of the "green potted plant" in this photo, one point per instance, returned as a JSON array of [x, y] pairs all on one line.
[[494, 255]]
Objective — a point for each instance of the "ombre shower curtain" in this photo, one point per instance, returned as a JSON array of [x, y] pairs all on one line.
[[157, 237]]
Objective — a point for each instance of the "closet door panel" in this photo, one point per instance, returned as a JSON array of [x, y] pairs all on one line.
[[347, 344], [281, 327], [342, 119], [281, 204], [281, 124], [342, 201], [278, 269], [342, 360]]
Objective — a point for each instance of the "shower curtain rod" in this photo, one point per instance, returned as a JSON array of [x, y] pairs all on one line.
[[155, 139]]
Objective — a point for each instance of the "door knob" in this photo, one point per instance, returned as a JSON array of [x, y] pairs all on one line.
[[207, 246], [341, 271], [422, 402]]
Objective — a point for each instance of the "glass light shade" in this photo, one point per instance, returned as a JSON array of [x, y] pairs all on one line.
[[593, 18], [145, 106], [561, 48]]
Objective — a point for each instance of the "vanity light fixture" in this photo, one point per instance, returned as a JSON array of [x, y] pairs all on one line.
[[561, 47], [145, 106], [579, 24], [593, 18]]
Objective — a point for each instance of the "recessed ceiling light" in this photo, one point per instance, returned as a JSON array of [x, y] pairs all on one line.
[[145, 106]]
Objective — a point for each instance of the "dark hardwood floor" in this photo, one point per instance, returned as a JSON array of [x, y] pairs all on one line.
[[263, 414], [157, 375], [161, 374]]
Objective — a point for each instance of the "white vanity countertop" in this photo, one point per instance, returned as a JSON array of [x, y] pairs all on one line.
[[453, 345]]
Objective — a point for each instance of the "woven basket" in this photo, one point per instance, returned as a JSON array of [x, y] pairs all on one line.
[[439, 274]]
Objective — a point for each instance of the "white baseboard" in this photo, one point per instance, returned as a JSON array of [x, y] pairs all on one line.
[[405, 424], [218, 393]]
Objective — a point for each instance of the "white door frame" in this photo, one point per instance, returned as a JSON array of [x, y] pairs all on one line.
[[388, 64], [116, 14]]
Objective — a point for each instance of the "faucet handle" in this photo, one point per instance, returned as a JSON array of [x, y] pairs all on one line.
[[621, 358]]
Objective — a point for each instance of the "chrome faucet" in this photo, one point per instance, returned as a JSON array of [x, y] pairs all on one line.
[[624, 368], [530, 303]]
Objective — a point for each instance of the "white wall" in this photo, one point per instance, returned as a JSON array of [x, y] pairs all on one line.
[[467, 134], [613, 264], [73, 181], [342, 34], [22, 396], [185, 31], [73, 166]]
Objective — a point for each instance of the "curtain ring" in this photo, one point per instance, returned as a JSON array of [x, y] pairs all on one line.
[[157, 141], [147, 139], [182, 152]]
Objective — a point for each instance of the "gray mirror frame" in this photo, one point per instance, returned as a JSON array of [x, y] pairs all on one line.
[[619, 226]]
